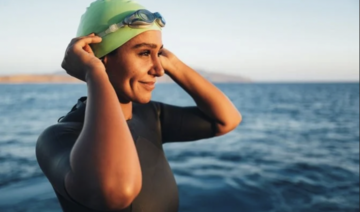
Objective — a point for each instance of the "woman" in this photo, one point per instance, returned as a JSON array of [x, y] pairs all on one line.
[[106, 154]]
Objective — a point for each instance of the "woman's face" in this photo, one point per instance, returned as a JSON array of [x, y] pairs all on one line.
[[133, 68]]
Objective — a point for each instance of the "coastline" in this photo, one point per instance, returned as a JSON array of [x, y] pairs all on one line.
[[23, 79], [61, 78]]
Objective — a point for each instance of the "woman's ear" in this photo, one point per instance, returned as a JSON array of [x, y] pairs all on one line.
[[104, 60]]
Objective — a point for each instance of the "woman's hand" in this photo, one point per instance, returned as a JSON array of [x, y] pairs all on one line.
[[168, 61], [80, 59], [208, 98]]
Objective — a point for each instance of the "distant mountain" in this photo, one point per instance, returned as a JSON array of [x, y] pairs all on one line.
[[63, 77], [212, 77]]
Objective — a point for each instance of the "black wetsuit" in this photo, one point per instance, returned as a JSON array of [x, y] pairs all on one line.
[[152, 125]]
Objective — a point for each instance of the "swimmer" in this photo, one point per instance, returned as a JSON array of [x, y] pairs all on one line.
[[107, 154]]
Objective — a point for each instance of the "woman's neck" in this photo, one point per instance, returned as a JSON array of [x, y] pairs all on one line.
[[127, 110]]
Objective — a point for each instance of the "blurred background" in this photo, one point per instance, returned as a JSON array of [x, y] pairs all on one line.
[[296, 65]]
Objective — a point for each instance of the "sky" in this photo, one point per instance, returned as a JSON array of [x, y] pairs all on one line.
[[265, 40]]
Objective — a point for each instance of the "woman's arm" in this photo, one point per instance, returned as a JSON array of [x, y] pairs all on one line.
[[105, 170], [209, 99]]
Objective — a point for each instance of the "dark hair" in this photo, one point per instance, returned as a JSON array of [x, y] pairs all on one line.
[[109, 54]]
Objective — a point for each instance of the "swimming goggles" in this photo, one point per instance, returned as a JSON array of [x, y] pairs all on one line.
[[138, 20]]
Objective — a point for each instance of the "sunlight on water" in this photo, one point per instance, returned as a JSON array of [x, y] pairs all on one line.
[[296, 150]]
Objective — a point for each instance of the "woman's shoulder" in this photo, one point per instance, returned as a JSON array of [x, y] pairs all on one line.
[[60, 131], [77, 113]]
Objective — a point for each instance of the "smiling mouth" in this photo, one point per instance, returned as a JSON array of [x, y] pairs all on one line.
[[148, 85]]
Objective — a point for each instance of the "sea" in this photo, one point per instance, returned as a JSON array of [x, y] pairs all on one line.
[[297, 149]]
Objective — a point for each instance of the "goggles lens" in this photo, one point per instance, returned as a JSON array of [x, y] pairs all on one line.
[[144, 17], [139, 19]]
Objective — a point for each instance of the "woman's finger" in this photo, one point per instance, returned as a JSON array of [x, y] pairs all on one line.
[[77, 39], [88, 40], [88, 49], [82, 43]]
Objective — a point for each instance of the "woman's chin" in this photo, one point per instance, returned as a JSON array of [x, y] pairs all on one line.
[[143, 99]]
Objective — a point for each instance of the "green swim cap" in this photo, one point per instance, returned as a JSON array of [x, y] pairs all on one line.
[[103, 13]]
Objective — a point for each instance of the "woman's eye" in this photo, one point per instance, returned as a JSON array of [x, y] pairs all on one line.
[[145, 53]]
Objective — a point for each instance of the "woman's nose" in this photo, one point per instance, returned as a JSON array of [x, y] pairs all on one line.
[[157, 69]]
